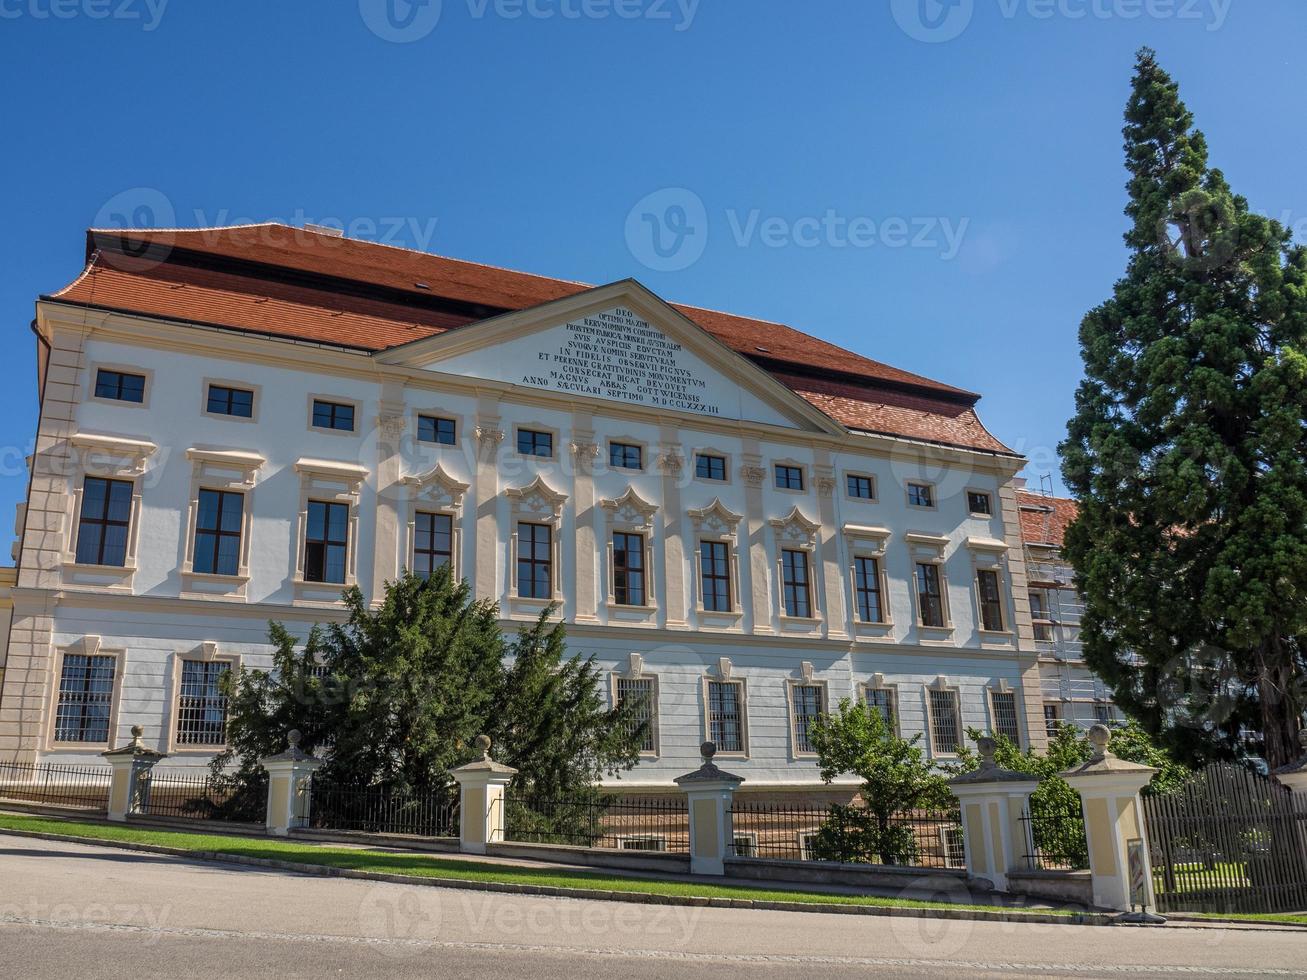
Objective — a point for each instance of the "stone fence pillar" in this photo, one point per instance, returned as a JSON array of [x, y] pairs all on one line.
[[129, 783], [1114, 826], [290, 783], [709, 792], [995, 838], [481, 786]]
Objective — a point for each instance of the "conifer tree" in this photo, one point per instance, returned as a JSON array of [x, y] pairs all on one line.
[[1187, 453]]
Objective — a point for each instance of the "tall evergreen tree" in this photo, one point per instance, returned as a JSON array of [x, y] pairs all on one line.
[[1187, 452]]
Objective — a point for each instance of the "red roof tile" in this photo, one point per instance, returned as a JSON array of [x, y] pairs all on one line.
[[290, 282], [1044, 519]]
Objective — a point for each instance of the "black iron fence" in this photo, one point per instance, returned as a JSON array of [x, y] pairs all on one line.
[[379, 810], [659, 824], [848, 833], [48, 784], [200, 796], [1231, 841], [1055, 838]]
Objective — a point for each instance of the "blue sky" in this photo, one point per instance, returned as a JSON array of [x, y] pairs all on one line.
[[935, 186]]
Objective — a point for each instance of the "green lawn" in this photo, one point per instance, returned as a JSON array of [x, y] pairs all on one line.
[[428, 866]]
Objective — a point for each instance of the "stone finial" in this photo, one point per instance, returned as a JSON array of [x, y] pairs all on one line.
[[137, 732], [483, 747], [294, 737], [708, 750], [1099, 737], [986, 746]]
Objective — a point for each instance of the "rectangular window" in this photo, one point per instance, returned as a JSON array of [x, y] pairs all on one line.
[[1103, 713], [709, 467], [745, 845], [715, 575], [223, 400], [1039, 613], [105, 520], [333, 415], [991, 600], [980, 503], [327, 542], [1052, 718], [945, 722], [930, 600], [921, 495], [640, 691], [433, 542], [119, 386], [794, 583], [628, 569], [624, 456], [201, 704], [441, 431], [1004, 704], [789, 477], [884, 701], [642, 842], [807, 702], [535, 561], [85, 698], [955, 851], [531, 442], [218, 524], [726, 715], [866, 584], [860, 487]]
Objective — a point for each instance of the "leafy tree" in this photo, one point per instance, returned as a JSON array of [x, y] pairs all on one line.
[[395, 697], [1188, 453], [896, 778]]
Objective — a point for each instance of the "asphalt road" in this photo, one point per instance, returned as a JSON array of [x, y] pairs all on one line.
[[73, 911]]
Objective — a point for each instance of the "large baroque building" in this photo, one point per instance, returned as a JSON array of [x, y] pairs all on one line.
[[741, 522]]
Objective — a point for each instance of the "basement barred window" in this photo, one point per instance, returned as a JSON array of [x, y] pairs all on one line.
[[945, 722], [201, 703], [85, 698], [884, 701], [1004, 704], [726, 715], [640, 692], [807, 702]]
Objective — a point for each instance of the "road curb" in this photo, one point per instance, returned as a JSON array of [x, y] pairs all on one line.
[[555, 891]]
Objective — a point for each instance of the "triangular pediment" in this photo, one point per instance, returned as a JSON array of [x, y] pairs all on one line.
[[618, 343]]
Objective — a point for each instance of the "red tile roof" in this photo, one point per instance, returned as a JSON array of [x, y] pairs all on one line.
[[293, 282], [1044, 519]]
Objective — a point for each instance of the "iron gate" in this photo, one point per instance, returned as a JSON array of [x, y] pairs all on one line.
[[1229, 840]]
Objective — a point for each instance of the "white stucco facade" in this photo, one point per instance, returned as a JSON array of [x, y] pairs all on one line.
[[157, 611]]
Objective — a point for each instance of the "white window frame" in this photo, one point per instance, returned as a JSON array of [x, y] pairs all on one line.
[[794, 532], [635, 672], [944, 833], [806, 678], [698, 451], [868, 542], [930, 485], [631, 514], [724, 675], [206, 653], [716, 523], [928, 549], [331, 482], [536, 503], [805, 476], [941, 685], [641, 444], [256, 390], [1003, 689], [875, 487], [979, 491], [554, 433], [990, 555], [94, 372], [227, 470], [878, 683], [751, 836], [435, 492], [88, 646], [104, 458], [335, 400], [624, 840]]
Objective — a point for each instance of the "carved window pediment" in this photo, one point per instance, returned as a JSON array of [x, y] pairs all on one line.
[[630, 510], [537, 501], [715, 519], [795, 530], [438, 488]]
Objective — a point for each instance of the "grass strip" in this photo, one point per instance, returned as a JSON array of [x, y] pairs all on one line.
[[430, 866]]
